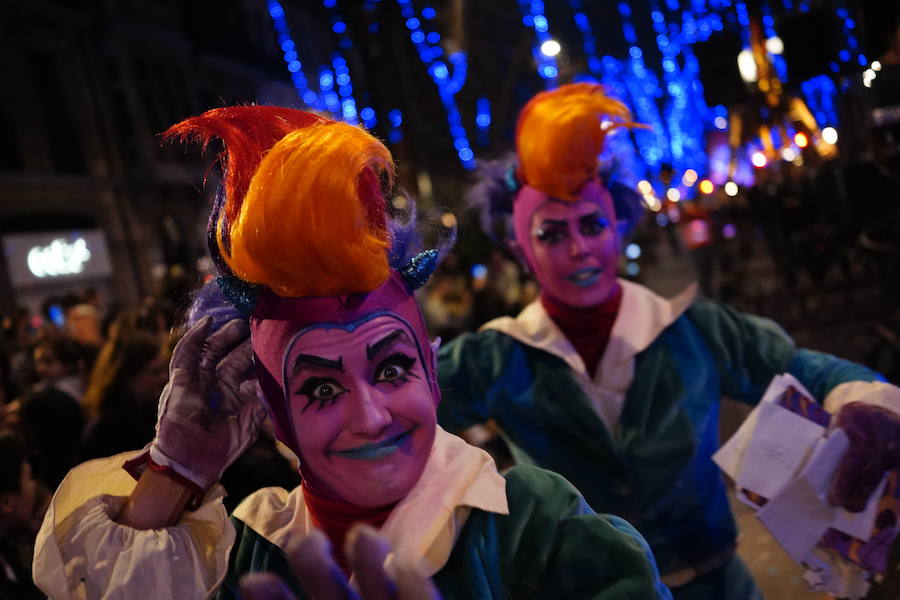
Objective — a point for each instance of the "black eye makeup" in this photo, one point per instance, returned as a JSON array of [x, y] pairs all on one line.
[[551, 234], [323, 391], [593, 224], [396, 369]]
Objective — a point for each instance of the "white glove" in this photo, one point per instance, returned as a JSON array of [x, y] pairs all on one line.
[[209, 411]]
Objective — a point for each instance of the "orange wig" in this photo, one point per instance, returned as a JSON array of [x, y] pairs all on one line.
[[560, 134], [304, 210]]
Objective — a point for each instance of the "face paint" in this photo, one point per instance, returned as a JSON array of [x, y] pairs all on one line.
[[361, 409], [570, 246], [279, 324]]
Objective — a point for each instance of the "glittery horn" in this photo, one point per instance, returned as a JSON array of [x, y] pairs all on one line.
[[241, 294], [419, 268]]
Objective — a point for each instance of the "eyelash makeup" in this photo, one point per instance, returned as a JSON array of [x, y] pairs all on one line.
[[400, 360], [312, 384], [594, 225], [551, 235], [311, 388]]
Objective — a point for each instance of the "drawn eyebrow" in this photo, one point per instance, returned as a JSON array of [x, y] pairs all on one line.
[[555, 222], [375, 348], [596, 215], [318, 361]]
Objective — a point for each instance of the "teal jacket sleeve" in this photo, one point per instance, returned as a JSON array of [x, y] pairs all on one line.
[[553, 545], [471, 370], [749, 351]]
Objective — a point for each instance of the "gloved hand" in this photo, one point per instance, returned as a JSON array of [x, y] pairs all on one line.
[[321, 578], [209, 411], [874, 434]]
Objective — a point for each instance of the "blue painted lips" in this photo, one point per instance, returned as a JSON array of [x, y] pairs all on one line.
[[585, 277], [376, 450]]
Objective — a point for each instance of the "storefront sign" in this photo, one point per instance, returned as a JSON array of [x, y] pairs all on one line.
[[43, 258], [59, 258]]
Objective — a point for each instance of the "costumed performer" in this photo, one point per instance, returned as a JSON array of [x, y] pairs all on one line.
[[347, 374], [612, 386]]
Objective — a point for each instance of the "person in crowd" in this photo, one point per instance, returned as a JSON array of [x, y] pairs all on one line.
[[616, 388], [59, 362], [500, 290], [20, 505], [83, 325], [122, 392], [346, 371], [51, 423], [15, 345], [448, 300]]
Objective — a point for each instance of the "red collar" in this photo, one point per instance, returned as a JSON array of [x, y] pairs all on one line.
[[588, 329], [335, 518]]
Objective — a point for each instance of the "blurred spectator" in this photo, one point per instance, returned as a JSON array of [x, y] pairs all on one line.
[[60, 363], [697, 235], [766, 207], [17, 338], [498, 291], [51, 423], [448, 299], [123, 389], [174, 292], [83, 325], [21, 505]]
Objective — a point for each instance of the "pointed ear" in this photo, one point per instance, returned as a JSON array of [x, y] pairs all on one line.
[[515, 249], [435, 346]]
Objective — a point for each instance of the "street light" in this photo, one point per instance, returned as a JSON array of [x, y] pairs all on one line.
[[731, 189], [550, 48]]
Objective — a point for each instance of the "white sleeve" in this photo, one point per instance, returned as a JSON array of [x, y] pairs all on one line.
[[81, 553]]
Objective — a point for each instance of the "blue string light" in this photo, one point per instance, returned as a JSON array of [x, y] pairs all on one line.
[[820, 94], [643, 87], [340, 103], [448, 78], [533, 17], [768, 22], [483, 120], [346, 103], [395, 117], [291, 59], [668, 97]]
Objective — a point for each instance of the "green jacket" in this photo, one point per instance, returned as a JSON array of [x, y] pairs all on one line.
[[649, 460], [550, 545]]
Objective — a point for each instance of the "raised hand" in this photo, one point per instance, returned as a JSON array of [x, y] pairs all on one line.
[[321, 578], [209, 411]]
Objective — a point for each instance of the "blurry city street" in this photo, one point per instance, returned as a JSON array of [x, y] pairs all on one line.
[[835, 317]]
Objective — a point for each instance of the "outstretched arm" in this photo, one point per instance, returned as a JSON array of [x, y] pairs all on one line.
[[208, 414], [749, 351]]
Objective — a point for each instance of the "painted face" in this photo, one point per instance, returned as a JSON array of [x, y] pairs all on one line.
[[574, 250], [361, 408]]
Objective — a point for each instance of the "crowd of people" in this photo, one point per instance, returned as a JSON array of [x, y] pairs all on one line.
[[85, 389]]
